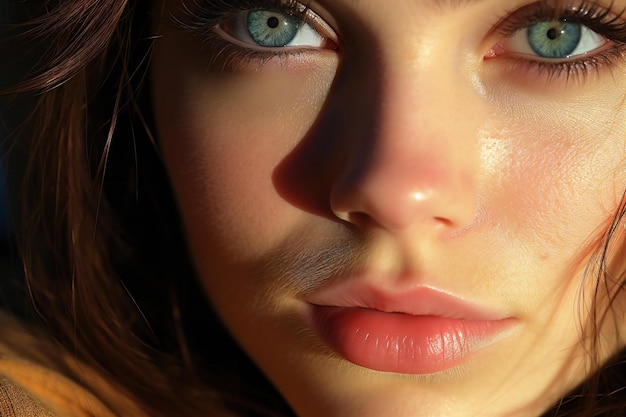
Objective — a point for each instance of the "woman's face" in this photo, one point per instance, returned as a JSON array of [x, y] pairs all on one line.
[[393, 213]]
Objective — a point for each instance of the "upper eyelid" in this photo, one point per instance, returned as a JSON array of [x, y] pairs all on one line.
[[588, 13], [203, 15]]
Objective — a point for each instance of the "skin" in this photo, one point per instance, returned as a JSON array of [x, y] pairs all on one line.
[[407, 153]]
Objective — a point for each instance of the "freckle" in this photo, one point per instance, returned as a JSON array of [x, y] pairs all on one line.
[[543, 257]]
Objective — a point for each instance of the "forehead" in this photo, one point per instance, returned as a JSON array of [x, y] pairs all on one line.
[[432, 3], [453, 5]]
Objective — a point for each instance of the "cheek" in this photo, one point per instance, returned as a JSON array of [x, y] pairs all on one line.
[[223, 132], [559, 175], [551, 177]]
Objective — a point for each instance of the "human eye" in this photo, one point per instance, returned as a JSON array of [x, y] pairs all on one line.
[[271, 29], [555, 39], [258, 29], [571, 40]]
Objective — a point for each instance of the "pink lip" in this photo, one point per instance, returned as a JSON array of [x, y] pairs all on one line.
[[420, 331]]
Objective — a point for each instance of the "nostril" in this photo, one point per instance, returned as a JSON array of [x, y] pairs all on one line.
[[404, 186], [343, 215], [443, 221], [361, 220]]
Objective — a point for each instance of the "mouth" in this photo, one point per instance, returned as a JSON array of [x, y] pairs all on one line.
[[422, 331]]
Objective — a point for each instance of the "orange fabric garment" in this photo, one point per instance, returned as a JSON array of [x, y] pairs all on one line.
[[33, 381]]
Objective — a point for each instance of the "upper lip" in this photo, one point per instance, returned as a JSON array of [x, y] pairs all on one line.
[[419, 300]]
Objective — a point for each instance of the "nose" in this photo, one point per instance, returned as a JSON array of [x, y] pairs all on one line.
[[417, 165]]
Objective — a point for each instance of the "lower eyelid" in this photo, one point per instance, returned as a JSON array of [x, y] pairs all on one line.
[[210, 19], [546, 76], [518, 45]]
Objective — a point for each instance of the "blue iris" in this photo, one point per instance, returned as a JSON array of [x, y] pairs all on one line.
[[554, 39], [272, 29]]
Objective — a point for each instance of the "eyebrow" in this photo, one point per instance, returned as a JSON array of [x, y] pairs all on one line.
[[455, 4], [442, 4]]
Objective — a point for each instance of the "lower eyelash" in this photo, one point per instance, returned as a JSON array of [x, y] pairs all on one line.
[[203, 16], [576, 71], [230, 56], [238, 57], [602, 21]]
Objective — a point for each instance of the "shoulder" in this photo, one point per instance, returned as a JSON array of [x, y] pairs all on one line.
[[15, 401], [38, 380]]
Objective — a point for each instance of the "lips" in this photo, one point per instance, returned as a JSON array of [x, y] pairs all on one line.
[[422, 331]]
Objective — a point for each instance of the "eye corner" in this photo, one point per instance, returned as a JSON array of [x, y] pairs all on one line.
[[496, 51], [323, 28], [330, 44]]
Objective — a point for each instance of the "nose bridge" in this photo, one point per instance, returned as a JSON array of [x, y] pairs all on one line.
[[422, 111], [418, 164]]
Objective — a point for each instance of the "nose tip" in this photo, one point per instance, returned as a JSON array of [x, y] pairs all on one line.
[[396, 198], [414, 158]]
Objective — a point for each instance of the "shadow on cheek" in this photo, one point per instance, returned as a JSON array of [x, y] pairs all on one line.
[[343, 134]]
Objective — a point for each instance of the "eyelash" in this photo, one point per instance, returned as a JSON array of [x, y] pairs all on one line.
[[595, 17], [202, 16]]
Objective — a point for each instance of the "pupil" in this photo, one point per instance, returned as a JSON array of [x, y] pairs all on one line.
[[553, 33], [273, 22]]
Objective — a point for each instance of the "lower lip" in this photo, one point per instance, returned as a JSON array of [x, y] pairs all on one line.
[[402, 343]]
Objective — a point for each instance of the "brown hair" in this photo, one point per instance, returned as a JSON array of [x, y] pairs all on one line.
[[97, 225], [96, 219]]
